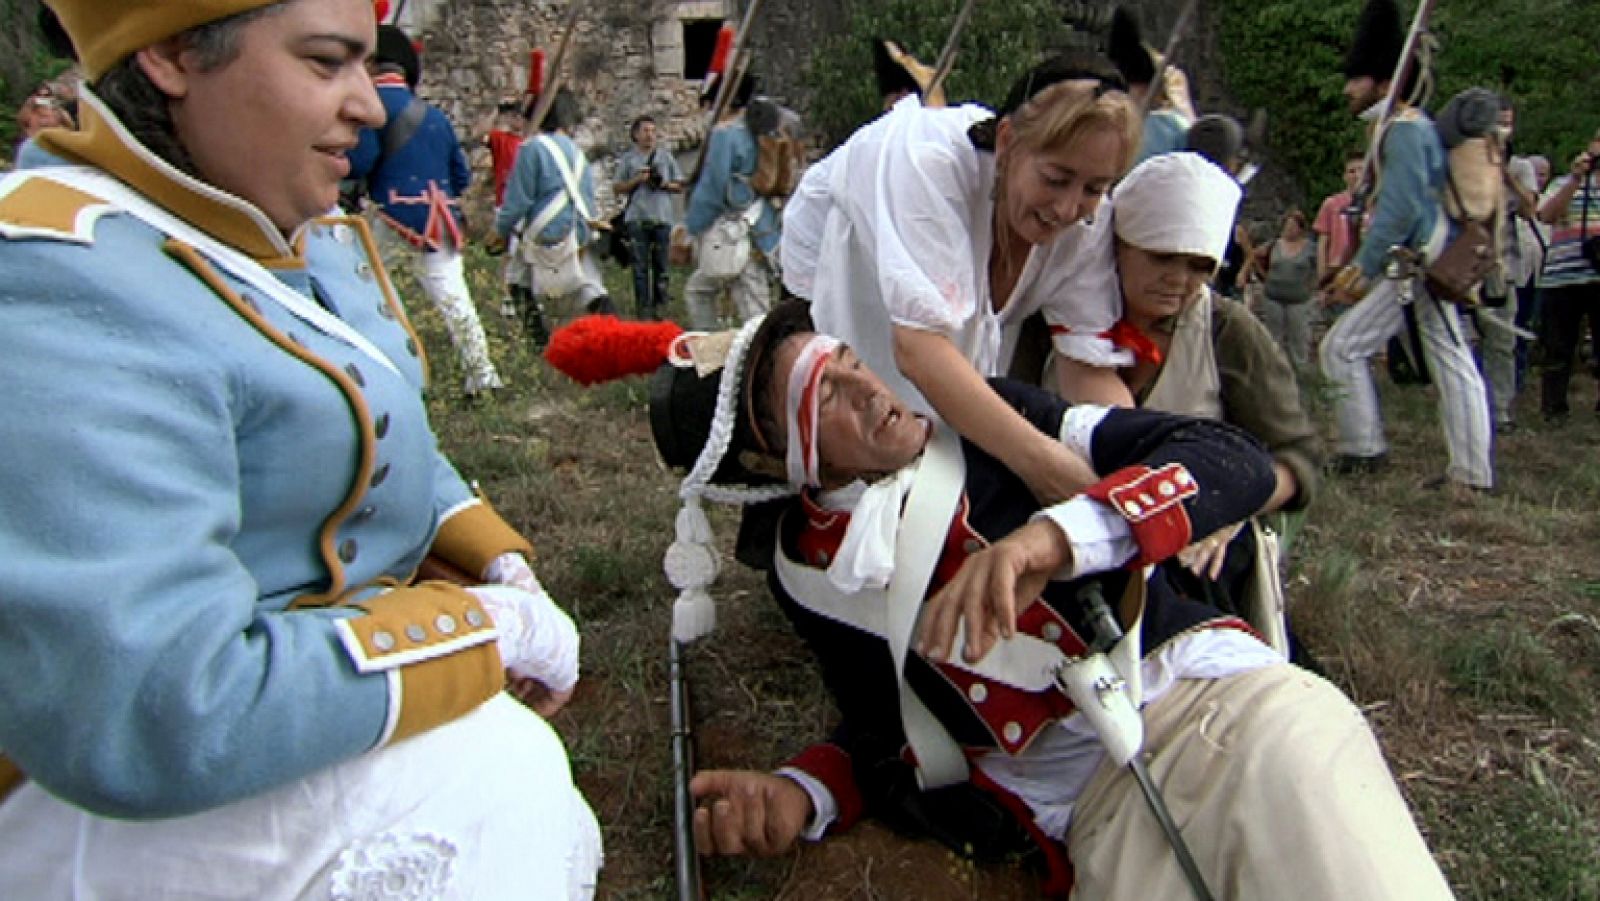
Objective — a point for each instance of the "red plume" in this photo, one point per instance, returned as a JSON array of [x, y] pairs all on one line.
[[380, 10], [593, 349], [724, 46], [535, 72]]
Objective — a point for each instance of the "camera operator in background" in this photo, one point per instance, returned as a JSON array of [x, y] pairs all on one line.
[[648, 175], [1570, 284]]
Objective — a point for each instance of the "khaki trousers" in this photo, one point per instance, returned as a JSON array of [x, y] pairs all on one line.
[[1277, 785]]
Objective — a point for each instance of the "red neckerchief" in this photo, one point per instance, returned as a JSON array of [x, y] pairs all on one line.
[[1127, 335]]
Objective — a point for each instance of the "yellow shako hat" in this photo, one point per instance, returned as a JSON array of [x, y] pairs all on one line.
[[105, 32]]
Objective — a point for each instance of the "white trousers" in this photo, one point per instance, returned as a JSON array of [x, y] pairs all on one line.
[[480, 809], [443, 278], [1498, 344], [750, 291], [1280, 792], [1362, 333]]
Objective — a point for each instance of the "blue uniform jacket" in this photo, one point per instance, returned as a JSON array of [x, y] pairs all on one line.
[[417, 186], [724, 186], [535, 181], [1411, 177]]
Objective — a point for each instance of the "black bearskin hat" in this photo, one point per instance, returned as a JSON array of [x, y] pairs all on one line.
[[395, 49], [1127, 51], [1380, 36], [893, 78]]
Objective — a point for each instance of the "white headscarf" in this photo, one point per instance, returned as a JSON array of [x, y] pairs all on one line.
[[1176, 203]]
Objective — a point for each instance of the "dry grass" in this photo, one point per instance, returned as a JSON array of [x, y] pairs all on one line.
[[1468, 632]]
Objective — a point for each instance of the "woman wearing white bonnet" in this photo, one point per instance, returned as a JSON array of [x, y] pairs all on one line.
[[1198, 353]]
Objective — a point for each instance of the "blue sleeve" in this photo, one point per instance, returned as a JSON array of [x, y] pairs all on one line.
[[1406, 194], [708, 200], [521, 189], [365, 155]]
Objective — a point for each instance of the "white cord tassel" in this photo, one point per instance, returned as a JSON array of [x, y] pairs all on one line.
[[691, 565]]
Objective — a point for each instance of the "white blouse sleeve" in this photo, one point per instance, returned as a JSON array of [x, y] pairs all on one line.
[[1082, 298], [911, 187]]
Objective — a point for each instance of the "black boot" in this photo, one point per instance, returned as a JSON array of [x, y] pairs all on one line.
[[602, 305], [533, 318]]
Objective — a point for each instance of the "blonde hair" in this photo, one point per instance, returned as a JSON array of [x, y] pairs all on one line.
[[1065, 112]]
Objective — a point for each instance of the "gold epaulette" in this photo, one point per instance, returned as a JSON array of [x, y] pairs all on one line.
[[32, 205]]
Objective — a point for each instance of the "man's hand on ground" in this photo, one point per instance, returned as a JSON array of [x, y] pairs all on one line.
[[746, 812]]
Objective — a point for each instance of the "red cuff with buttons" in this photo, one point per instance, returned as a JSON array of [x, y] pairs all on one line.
[[1151, 500], [830, 765]]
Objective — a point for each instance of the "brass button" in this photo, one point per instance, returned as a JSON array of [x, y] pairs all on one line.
[[1051, 632], [416, 633], [379, 475], [474, 619], [362, 515], [978, 692], [354, 372], [383, 641], [381, 427], [411, 346], [445, 623], [347, 550], [1012, 733], [364, 271]]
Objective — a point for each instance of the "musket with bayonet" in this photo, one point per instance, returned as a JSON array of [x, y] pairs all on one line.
[[547, 95], [947, 56], [738, 61]]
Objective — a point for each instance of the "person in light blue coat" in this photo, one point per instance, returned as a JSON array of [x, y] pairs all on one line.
[[218, 677], [722, 200]]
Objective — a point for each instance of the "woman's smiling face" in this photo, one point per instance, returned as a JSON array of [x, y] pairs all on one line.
[[1043, 191]]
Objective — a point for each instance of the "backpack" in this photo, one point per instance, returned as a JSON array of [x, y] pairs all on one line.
[[778, 160], [1474, 195], [779, 157]]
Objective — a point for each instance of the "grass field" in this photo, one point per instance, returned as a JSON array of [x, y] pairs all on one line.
[[1468, 632]]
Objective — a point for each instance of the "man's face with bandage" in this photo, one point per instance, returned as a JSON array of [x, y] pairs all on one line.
[[840, 422]]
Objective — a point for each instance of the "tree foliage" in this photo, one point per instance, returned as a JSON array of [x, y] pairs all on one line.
[[1284, 56], [1002, 39]]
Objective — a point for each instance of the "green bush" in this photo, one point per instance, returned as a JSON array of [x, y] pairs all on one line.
[[1002, 39]]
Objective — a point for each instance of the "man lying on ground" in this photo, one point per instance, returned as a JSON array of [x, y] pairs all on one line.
[[1275, 778]]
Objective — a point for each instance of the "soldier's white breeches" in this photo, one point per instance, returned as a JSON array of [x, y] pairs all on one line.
[[750, 291], [1280, 791], [1362, 333], [444, 280]]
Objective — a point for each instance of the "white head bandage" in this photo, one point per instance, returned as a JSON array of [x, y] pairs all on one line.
[[800, 409], [1176, 203]]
